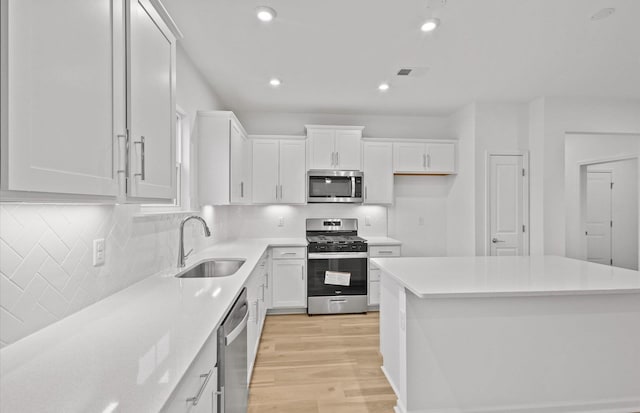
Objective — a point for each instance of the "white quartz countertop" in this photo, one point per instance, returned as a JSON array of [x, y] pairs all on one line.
[[506, 276], [381, 241], [128, 352]]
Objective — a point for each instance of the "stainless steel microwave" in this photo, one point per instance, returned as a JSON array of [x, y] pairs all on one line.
[[334, 186]]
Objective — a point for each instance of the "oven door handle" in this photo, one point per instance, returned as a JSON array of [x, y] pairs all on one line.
[[332, 256]]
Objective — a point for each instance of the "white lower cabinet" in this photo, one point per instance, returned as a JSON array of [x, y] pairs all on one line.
[[289, 278], [256, 296], [196, 392], [378, 251]]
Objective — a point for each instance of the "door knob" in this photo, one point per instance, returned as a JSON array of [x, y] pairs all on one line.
[[496, 240]]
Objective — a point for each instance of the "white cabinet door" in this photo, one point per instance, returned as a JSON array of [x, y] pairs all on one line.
[[247, 164], [321, 149], [441, 157], [378, 172], [292, 171], [237, 167], [348, 144], [151, 105], [62, 106], [289, 283], [265, 171], [374, 292], [409, 157]]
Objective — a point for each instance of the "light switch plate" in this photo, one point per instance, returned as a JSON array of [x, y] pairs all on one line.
[[367, 220], [281, 222], [98, 252]]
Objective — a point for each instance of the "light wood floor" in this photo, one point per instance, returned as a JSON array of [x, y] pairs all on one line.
[[320, 364]]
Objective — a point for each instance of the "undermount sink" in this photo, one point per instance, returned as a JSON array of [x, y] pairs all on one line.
[[214, 268]]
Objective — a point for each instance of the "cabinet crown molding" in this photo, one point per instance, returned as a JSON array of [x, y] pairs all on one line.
[[339, 127]]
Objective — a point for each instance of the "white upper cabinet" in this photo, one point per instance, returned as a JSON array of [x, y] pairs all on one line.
[[292, 171], [224, 159], [62, 118], [265, 171], [151, 66], [378, 172], [78, 76], [424, 157], [334, 147], [279, 171]]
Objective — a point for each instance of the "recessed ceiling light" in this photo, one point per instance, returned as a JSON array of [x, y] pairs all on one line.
[[603, 14], [430, 25], [266, 14], [383, 87], [275, 82]]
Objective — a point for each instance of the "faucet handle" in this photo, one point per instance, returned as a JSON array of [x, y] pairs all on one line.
[[188, 253]]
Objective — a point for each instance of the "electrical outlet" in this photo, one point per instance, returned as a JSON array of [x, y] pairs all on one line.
[[281, 222], [367, 221], [98, 252], [420, 220]]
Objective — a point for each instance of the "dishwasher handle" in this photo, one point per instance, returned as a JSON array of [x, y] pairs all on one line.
[[228, 339]]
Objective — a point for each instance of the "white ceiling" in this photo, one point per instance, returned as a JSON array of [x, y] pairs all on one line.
[[332, 54]]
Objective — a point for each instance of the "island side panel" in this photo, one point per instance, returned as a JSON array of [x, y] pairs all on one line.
[[571, 353], [392, 336]]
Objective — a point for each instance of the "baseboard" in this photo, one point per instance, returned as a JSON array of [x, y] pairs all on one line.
[[280, 311]]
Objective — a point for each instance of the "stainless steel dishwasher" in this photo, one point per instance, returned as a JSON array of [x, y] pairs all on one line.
[[232, 358]]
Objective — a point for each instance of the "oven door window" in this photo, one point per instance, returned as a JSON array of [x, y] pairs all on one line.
[[330, 187], [316, 269]]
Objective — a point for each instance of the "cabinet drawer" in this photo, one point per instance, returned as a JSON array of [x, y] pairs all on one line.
[[384, 251], [280, 253]]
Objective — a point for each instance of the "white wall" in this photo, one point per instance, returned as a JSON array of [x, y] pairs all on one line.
[[260, 221], [499, 128], [551, 119], [46, 271], [460, 204], [376, 126], [418, 217]]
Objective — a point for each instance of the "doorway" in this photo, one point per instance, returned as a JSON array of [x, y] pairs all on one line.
[[609, 207], [508, 204]]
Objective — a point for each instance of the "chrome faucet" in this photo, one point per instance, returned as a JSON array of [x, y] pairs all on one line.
[[181, 255]]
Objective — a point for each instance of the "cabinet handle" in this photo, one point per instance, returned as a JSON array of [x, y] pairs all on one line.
[[424, 160], [288, 253], [385, 252], [333, 158], [428, 160], [142, 169], [122, 151], [337, 158], [194, 400], [281, 192], [276, 192], [241, 189]]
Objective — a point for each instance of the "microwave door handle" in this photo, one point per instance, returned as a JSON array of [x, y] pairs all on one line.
[[353, 187]]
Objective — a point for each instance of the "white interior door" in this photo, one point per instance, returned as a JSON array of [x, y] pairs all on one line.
[[506, 205], [598, 217]]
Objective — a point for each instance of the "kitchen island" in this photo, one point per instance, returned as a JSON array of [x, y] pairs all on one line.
[[510, 334]]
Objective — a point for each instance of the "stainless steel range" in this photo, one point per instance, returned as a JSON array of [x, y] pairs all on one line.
[[336, 267]]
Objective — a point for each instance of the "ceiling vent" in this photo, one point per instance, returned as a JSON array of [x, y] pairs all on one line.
[[411, 71]]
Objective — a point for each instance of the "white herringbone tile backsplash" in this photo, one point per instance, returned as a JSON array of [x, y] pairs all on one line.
[[46, 270]]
